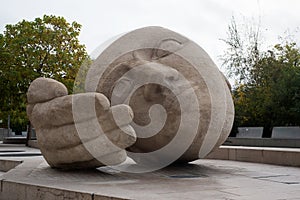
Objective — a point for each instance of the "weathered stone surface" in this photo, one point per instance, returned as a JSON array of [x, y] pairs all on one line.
[[57, 128], [161, 59]]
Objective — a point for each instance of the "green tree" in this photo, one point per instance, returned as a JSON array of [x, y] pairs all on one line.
[[267, 90], [45, 47]]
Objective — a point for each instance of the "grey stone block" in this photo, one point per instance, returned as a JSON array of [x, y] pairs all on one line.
[[292, 132], [249, 132], [3, 133]]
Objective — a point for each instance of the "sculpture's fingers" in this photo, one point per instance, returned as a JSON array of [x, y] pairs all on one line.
[[59, 111], [67, 136], [62, 137], [87, 128], [45, 89], [116, 117], [123, 137], [70, 135]]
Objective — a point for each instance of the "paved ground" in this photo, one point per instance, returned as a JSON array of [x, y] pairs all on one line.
[[202, 179]]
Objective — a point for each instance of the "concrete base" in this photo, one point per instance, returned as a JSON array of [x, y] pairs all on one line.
[[277, 156], [33, 144], [6, 165], [263, 142], [202, 179], [14, 140]]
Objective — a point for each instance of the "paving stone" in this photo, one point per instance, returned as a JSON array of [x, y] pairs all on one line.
[[201, 179]]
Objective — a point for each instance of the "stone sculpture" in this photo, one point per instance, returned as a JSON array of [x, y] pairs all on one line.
[[181, 105]]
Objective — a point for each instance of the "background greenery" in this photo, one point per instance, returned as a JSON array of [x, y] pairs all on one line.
[[267, 82], [45, 47]]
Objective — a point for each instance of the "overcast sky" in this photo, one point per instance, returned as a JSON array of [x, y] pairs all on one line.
[[204, 21]]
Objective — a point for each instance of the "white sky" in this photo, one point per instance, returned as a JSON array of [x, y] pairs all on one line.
[[204, 21]]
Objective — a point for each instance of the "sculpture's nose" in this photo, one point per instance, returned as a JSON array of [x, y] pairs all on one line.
[[167, 78]]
